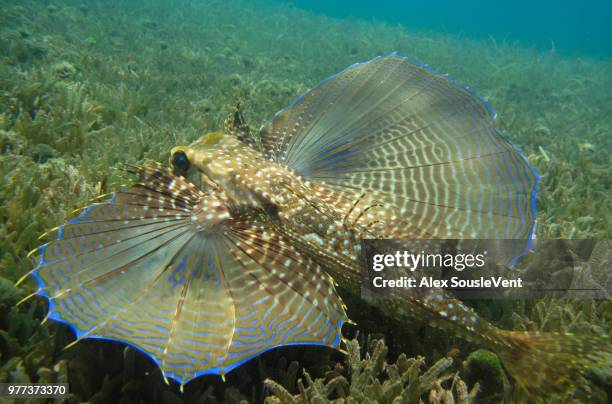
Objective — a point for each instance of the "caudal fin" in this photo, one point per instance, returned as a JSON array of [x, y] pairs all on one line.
[[549, 363]]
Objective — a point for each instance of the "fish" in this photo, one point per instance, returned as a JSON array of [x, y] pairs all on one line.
[[240, 245]]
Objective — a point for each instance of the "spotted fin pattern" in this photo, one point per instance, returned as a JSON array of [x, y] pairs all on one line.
[[168, 269], [413, 141]]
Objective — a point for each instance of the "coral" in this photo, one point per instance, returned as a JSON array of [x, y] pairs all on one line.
[[484, 366], [64, 70], [370, 379]]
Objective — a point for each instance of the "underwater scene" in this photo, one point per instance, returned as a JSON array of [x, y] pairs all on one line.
[[193, 195]]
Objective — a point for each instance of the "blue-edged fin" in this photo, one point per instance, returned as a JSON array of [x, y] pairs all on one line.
[[422, 146], [168, 269]]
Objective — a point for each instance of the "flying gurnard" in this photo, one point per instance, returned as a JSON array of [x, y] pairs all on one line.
[[238, 247]]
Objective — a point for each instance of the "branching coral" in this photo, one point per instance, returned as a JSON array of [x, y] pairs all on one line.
[[370, 379]]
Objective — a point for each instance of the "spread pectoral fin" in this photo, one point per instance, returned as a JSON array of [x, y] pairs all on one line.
[[396, 134], [199, 297]]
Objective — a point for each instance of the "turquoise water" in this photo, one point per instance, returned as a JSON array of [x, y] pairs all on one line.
[[578, 28]]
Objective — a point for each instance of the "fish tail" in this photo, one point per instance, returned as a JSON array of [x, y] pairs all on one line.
[[549, 363]]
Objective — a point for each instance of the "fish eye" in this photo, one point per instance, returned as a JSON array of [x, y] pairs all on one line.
[[180, 162]]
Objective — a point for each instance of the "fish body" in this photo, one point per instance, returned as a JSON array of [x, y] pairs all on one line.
[[251, 182], [238, 249], [328, 226]]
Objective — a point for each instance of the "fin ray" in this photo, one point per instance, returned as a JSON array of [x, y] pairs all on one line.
[[404, 133], [196, 297]]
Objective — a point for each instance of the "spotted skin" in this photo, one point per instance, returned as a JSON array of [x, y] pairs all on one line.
[[173, 271], [238, 249]]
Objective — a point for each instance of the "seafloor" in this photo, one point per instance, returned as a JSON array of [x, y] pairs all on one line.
[[86, 86]]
